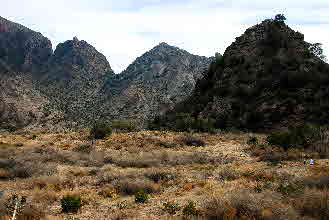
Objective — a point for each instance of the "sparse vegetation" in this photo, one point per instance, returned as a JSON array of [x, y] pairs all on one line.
[[252, 141], [141, 197], [190, 209], [70, 203], [193, 141], [222, 179], [124, 125], [171, 207]]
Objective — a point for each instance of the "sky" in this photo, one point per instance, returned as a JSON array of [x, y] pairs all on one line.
[[124, 29]]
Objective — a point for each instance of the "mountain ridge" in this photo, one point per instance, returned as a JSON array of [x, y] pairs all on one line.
[[79, 86]]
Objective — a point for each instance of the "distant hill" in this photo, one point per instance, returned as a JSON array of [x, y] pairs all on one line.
[[269, 77]]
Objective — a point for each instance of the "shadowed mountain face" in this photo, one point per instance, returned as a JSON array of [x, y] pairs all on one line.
[[75, 85], [267, 78], [22, 49]]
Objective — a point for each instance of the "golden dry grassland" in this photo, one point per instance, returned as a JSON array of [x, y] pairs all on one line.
[[225, 179]]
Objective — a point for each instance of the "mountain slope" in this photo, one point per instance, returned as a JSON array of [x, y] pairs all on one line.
[[73, 79], [267, 78], [22, 49], [154, 83]]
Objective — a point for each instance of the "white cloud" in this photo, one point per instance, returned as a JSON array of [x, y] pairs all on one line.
[[125, 29]]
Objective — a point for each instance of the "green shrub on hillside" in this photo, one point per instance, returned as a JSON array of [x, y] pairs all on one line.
[[300, 136], [124, 125], [100, 130], [141, 197], [70, 203]]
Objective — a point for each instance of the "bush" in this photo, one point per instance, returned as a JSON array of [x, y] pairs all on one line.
[[184, 122], [100, 130], [243, 204], [300, 136], [288, 188], [124, 125], [193, 141], [252, 140], [131, 186], [190, 209], [70, 203], [171, 207], [228, 174], [109, 192], [141, 197], [157, 176], [84, 148]]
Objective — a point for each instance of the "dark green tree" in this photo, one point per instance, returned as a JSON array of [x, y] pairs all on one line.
[[316, 50], [280, 18]]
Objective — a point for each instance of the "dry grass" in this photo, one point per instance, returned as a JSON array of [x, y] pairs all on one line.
[[243, 204], [107, 174]]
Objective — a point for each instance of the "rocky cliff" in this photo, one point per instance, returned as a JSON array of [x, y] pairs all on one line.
[[267, 78]]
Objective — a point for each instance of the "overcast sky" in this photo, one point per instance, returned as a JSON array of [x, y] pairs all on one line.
[[125, 29]]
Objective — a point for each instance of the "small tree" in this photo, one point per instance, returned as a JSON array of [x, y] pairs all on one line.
[[280, 18], [100, 130], [316, 50]]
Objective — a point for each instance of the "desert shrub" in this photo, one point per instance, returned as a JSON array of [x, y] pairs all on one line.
[[252, 140], [141, 197], [157, 176], [288, 188], [299, 136], [190, 209], [228, 174], [313, 203], [7, 163], [131, 186], [70, 203], [204, 125], [22, 171], [243, 204], [84, 148], [171, 207], [109, 192], [193, 141], [124, 125], [100, 130], [184, 122], [158, 123]]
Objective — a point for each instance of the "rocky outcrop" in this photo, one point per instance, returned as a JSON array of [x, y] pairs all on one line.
[[267, 78], [154, 83], [22, 49]]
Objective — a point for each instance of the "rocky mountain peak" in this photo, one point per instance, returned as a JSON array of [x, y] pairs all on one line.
[[22, 49], [81, 55], [264, 38], [267, 78]]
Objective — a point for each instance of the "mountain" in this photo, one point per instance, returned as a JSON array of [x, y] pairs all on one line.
[[21, 52], [73, 80], [268, 78], [154, 83], [22, 49], [75, 85]]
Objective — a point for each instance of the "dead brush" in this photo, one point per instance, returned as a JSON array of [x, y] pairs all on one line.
[[244, 204]]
